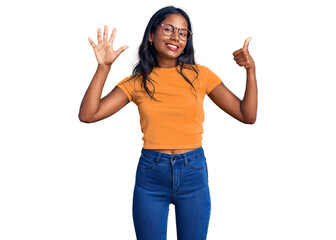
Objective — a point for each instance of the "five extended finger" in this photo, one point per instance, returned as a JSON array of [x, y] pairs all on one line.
[[105, 33], [120, 50], [92, 43], [113, 35], [99, 35]]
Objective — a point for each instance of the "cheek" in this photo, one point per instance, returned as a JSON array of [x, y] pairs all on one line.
[[159, 43], [160, 38]]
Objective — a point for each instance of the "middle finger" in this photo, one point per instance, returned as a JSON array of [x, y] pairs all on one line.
[[239, 57], [105, 33]]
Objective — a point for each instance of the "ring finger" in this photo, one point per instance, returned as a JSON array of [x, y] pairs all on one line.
[[242, 63], [99, 35]]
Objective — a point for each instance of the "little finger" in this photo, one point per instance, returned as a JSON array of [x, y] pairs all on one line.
[[92, 43]]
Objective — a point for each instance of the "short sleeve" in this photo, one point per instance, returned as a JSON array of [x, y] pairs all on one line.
[[212, 80], [126, 86]]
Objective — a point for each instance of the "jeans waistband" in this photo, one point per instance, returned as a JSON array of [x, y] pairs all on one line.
[[164, 157]]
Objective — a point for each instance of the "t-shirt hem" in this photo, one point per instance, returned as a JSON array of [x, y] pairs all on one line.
[[125, 91], [213, 86], [180, 146]]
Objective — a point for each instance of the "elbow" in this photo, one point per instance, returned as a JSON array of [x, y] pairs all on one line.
[[84, 119], [250, 120], [248, 114], [248, 117]]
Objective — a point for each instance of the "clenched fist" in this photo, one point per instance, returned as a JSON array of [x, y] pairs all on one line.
[[242, 56]]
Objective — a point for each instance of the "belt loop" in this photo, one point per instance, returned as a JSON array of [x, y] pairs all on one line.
[[158, 157], [185, 159]]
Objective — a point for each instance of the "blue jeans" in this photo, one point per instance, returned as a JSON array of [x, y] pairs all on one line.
[[180, 179]]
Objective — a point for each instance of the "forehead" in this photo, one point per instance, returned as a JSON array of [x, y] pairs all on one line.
[[177, 20]]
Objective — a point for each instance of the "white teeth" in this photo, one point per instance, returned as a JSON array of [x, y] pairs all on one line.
[[172, 46]]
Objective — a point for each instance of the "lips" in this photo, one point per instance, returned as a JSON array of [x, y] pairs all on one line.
[[172, 46]]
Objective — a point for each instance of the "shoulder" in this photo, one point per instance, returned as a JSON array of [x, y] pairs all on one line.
[[131, 78], [202, 68], [196, 67], [204, 71]]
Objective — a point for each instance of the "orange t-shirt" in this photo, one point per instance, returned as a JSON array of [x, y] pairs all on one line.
[[177, 121]]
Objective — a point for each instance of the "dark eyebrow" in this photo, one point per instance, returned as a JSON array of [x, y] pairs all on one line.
[[175, 26]]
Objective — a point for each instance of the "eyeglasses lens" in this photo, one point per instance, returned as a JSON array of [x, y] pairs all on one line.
[[168, 30]]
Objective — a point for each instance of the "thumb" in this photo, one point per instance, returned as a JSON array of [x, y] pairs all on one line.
[[246, 43], [120, 50]]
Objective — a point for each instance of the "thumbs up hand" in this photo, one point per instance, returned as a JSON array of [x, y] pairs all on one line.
[[242, 56]]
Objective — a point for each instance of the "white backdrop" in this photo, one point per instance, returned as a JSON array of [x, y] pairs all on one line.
[[64, 179]]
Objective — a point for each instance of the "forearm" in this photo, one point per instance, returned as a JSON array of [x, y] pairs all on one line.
[[249, 103], [91, 100]]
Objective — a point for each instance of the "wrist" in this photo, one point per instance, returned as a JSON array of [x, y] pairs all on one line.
[[104, 66], [251, 69]]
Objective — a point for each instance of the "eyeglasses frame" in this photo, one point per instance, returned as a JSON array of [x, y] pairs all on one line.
[[190, 32]]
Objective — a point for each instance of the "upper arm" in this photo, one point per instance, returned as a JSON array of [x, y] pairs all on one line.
[[227, 101], [111, 104]]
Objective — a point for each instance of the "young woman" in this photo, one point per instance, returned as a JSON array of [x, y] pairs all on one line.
[[169, 88]]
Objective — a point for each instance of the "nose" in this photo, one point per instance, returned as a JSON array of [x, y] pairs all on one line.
[[175, 35]]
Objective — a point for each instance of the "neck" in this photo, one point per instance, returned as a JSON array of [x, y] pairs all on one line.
[[167, 63]]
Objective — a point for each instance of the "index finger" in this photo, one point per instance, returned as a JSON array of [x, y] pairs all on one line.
[[246, 43], [113, 35]]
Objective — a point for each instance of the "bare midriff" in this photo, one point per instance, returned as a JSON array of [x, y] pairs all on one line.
[[173, 151]]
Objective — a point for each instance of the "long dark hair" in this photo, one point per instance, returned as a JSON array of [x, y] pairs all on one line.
[[148, 56]]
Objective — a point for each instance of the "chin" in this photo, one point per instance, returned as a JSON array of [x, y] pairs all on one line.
[[174, 54]]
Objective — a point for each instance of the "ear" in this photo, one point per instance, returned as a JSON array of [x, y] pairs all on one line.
[[151, 36]]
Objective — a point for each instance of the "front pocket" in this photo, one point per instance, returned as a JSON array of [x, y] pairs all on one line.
[[197, 163], [146, 163]]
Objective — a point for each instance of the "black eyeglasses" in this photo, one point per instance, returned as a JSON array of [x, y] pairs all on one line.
[[169, 30]]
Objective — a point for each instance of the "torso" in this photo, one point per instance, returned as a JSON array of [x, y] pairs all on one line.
[[173, 151]]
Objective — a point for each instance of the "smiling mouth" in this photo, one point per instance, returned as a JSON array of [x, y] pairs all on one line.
[[172, 46]]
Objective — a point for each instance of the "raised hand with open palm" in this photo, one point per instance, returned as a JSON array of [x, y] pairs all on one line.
[[105, 54]]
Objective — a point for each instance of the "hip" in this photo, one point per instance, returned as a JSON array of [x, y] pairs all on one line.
[[185, 171]]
